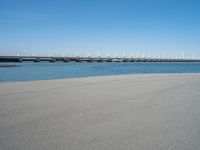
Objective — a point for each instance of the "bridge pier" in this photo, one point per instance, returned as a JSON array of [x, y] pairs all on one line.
[[36, 60], [65, 59], [124, 60], [109, 60], [20, 60], [52, 60], [100, 60], [89, 60], [78, 59]]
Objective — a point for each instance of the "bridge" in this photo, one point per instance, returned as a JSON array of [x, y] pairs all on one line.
[[92, 59]]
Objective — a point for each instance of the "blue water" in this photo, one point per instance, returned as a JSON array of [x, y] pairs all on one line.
[[45, 70]]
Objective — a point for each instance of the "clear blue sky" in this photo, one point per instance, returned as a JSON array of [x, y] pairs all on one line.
[[100, 26]]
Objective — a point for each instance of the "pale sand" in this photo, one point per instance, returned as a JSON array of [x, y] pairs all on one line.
[[129, 112]]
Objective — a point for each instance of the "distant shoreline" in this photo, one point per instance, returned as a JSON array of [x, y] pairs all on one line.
[[8, 65]]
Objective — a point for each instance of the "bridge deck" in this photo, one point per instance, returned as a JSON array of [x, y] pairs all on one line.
[[91, 59]]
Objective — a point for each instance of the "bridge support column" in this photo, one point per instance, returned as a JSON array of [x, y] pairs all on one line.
[[52, 60], [65, 60], [36, 60]]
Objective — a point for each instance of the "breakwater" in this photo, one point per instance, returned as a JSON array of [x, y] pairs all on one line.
[[92, 59]]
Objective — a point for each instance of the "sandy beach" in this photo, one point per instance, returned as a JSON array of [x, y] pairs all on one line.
[[127, 112]]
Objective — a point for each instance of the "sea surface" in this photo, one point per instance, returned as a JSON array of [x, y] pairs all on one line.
[[27, 71]]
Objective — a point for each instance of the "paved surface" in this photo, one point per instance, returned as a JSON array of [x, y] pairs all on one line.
[[133, 112]]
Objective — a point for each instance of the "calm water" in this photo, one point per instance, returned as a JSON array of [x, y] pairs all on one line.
[[45, 70]]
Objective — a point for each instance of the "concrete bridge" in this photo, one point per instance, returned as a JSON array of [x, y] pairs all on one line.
[[92, 59]]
